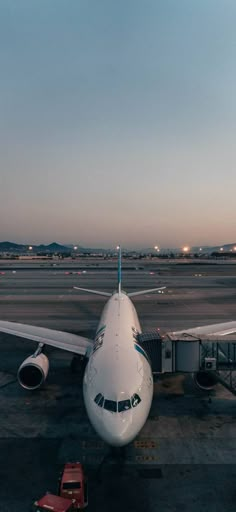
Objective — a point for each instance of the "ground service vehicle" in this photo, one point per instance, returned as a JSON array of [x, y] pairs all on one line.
[[53, 503], [73, 485]]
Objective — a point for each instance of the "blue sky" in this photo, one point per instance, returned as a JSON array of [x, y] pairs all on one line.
[[118, 121]]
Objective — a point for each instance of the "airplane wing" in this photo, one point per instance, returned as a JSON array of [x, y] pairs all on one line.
[[222, 329], [59, 339]]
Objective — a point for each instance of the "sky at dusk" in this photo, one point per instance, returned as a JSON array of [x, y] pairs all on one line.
[[118, 122]]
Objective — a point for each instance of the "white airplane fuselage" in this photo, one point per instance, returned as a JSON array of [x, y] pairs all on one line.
[[118, 382]]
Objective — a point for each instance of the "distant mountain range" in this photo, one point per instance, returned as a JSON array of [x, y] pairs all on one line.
[[54, 247], [20, 248], [216, 248]]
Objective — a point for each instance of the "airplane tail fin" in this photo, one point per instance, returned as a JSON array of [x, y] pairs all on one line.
[[119, 269], [98, 292], [132, 294]]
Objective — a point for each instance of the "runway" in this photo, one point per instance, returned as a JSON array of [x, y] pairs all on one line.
[[184, 458]]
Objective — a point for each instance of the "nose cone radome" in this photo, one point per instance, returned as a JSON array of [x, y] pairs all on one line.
[[118, 441], [117, 431], [116, 437]]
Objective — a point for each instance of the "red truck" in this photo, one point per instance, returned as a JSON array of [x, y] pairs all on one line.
[[72, 492], [53, 503], [73, 484]]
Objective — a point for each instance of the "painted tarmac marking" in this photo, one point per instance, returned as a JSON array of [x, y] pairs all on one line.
[[145, 444]]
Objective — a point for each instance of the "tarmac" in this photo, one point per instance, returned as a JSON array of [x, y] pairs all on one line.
[[183, 459]]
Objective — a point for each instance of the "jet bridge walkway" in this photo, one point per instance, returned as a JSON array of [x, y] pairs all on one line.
[[171, 354]]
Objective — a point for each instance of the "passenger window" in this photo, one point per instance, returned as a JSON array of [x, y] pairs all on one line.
[[124, 405], [135, 400], [99, 399], [110, 405]]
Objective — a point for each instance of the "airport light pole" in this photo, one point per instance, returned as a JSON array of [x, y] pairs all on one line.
[[29, 251], [74, 251]]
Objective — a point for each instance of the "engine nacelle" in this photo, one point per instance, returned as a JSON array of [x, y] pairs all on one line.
[[33, 371], [205, 380]]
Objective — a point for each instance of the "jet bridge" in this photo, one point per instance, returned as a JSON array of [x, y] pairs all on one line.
[[170, 353]]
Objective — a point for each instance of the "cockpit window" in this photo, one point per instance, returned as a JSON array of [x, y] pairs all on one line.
[[135, 400], [110, 405], [124, 405], [99, 399]]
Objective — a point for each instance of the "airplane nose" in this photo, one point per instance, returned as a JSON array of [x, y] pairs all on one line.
[[115, 439], [117, 430]]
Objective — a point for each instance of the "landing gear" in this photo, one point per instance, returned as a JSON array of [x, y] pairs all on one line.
[[118, 454], [115, 459]]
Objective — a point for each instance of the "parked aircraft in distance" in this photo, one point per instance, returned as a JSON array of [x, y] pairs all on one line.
[[118, 380]]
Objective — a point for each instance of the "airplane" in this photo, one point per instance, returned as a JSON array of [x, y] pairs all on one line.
[[118, 378]]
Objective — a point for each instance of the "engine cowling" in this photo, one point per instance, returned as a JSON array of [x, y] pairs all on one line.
[[205, 380], [33, 371]]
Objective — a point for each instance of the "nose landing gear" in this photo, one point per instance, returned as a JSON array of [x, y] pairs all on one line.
[[115, 457]]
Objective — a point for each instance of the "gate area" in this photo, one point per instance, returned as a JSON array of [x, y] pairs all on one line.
[[172, 354]]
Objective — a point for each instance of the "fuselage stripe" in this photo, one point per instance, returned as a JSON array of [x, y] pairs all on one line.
[[140, 349], [99, 330]]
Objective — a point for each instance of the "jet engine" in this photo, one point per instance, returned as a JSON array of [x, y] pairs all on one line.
[[205, 380], [33, 371]]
